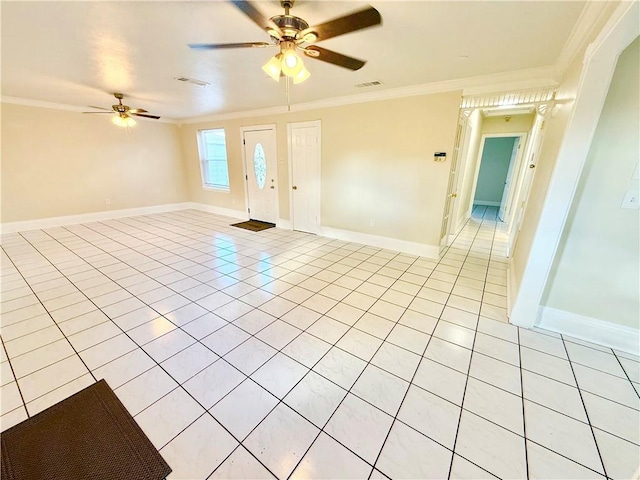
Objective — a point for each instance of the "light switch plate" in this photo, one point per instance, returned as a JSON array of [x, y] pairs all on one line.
[[630, 200]]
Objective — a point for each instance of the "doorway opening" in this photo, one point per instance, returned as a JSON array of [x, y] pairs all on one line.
[[494, 160], [498, 156]]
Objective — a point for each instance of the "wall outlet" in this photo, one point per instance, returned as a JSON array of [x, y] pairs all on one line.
[[107, 201], [630, 200], [372, 223]]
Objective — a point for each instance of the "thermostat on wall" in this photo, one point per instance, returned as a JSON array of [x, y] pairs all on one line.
[[440, 157]]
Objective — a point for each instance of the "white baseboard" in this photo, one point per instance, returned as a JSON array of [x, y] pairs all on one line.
[[286, 224], [488, 204], [403, 246], [512, 287], [226, 212], [51, 222], [605, 333]]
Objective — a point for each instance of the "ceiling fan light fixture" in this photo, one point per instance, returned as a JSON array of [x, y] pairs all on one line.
[[302, 76], [123, 121], [291, 63], [273, 67], [310, 37]]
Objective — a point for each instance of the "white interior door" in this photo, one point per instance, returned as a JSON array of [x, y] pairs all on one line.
[[304, 155], [261, 173], [451, 194], [507, 182]]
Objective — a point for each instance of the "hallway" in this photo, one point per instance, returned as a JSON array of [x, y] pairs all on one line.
[[278, 353]]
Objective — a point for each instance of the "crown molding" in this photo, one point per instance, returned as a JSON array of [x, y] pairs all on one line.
[[519, 79], [591, 17], [514, 80], [66, 107]]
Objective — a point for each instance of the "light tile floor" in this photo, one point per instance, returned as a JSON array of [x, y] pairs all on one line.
[[252, 355]]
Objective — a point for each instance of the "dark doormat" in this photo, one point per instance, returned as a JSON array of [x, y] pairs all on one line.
[[254, 225], [89, 435]]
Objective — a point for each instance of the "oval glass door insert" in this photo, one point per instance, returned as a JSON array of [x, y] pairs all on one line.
[[260, 166]]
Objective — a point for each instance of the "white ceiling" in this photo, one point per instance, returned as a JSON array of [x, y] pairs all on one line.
[[77, 53]]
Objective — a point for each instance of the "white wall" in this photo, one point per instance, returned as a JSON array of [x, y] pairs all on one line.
[[597, 268], [58, 163]]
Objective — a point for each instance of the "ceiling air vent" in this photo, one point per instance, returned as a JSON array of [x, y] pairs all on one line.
[[368, 84], [193, 81]]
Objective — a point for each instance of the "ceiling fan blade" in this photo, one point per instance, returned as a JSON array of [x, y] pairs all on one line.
[[99, 112], [137, 110], [366, 18], [221, 46], [335, 58], [143, 115], [265, 23], [99, 108]]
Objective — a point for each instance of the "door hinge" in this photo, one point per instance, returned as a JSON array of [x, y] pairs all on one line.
[[244, 142], [248, 210], [246, 177]]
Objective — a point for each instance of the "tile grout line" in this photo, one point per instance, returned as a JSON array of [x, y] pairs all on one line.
[[52, 319], [179, 386], [635, 389], [15, 379], [584, 406], [367, 364], [464, 392], [221, 357], [189, 258], [524, 418]]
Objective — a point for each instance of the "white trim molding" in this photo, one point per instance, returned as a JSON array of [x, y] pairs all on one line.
[[515, 80], [51, 222], [225, 212], [284, 224], [27, 102], [601, 332], [396, 244], [487, 204], [592, 14]]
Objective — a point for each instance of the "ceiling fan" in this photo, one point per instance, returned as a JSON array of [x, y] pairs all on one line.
[[291, 33], [123, 113]]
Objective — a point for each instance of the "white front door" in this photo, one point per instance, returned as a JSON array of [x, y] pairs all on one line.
[[304, 151], [261, 173]]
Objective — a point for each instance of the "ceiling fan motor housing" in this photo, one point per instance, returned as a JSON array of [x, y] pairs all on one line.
[[290, 25]]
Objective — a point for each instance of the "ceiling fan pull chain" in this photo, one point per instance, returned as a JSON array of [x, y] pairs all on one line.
[[288, 90]]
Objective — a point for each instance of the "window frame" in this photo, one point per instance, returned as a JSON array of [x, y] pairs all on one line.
[[202, 160]]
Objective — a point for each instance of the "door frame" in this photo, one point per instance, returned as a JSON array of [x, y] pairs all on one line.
[[245, 170], [290, 126], [463, 160], [523, 137]]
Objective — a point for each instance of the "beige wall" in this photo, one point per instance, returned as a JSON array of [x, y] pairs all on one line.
[[57, 163], [597, 267], [554, 129], [377, 163], [516, 124]]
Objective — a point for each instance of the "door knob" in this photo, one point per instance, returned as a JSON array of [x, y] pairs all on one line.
[[272, 187], [532, 166], [294, 187], [454, 195]]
